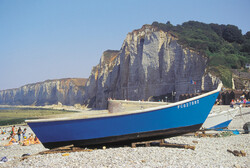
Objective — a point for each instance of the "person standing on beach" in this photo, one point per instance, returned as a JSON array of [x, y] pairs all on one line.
[[19, 132], [24, 132], [12, 134], [244, 102], [232, 103]]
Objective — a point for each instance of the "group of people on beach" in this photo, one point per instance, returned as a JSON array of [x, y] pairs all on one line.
[[238, 101], [22, 138], [20, 132]]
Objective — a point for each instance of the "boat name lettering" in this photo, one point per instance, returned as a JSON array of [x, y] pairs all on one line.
[[188, 104]]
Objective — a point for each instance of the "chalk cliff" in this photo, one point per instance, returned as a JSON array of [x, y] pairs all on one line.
[[68, 91], [149, 63]]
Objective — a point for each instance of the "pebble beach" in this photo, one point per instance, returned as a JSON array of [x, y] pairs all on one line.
[[209, 152]]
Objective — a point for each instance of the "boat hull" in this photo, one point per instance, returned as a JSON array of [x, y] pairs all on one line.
[[126, 139], [221, 125], [155, 123]]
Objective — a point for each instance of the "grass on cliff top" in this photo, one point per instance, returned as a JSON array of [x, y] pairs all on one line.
[[19, 115]]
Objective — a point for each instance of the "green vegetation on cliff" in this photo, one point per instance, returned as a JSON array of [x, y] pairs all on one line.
[[224, 45]]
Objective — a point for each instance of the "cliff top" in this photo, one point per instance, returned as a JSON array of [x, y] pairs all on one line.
[[77, 81], [109, 56]]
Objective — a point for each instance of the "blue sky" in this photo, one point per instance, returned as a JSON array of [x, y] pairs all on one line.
[[53, 39]]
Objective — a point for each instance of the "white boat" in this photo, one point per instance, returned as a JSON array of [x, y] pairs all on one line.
[[219, 118]]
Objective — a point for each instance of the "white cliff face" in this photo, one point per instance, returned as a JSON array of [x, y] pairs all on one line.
[[66, 91], [150, 63]]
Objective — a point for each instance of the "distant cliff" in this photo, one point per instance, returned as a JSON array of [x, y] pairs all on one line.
[[66, 91], [149, 63]]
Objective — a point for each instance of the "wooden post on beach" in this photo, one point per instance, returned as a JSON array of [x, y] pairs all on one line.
[[163, 144], [173, 145], [237, 153]]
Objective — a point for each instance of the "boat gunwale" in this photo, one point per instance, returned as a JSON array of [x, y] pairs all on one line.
[[127, 113]]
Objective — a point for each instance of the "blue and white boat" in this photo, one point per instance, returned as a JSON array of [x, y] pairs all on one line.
[[218, 119], [127, 127]]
